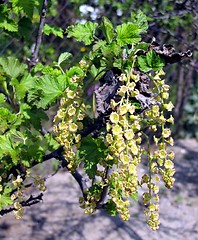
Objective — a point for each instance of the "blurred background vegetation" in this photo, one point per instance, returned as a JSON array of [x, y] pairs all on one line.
[[170, 22]]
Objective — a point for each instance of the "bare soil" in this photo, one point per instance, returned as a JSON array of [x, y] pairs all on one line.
[[59, 216]]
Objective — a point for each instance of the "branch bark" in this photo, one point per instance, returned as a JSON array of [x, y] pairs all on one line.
[[34, 58], [29, 202]]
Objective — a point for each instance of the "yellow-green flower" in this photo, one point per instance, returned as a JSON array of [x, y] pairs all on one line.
[[146, 198], [123, 78], [71, 111], [169, 106], [129, 134], [108, 127], [132, 169], [155, 139], [124, 158], [109, 138], [135, 93], [131, 109], [162, 153], [60, 113], [136, 125], [62, 126], [131, 86], [165, 95], [109, 157], [166, 132], [77, 138], [166, 87], [71, 94], [170, 120], [114, 117], [123, 89], [135, 77], [133, 147], [116, 130], [170, 141], [82, 63], [169, 164], [171, 155], [155, 110], [156, 189], [63, 101], [80, 117], [73, 127]]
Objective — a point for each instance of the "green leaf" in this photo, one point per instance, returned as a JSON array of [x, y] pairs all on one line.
[[110, 51], [57, 31], [151, 61], [142, 46], [64, 57], [111, 208], [128, 33], [27, 6], [142, 64], [52, 143], [17, 136], [107, 27], [33, 115], [5, 22], [47, 89], [12, 67], [141, 20], [25, 26], [75, 71], [82, 32], [6, 119], [92, 150], [98, 45], [2, 98], [93, 71], [5, 198], [46, 69], [23, 86], [8, 25], [5, 144], [154, 60]]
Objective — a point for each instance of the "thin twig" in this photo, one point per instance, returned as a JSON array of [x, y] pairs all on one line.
[[34, 57], [77, 176], [29, 202], [104, 193]]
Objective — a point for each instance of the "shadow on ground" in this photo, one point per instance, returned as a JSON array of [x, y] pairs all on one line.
[[60, 217]]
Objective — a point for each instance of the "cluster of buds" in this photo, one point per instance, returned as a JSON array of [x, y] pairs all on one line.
[[19, 210], [39, 182], [123, 140], [69, 120]]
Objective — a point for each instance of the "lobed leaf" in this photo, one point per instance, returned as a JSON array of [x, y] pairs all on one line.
[[12, 67], [47, 89], [82, 32], [151, 61], [92, 150], [128, 33], [27, 6], [57, 31], [141, 20]]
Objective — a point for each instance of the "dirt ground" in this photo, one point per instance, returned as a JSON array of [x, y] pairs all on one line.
[[59, 216]]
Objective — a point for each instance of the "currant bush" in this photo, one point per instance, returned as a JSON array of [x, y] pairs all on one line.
[[129, 113]]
